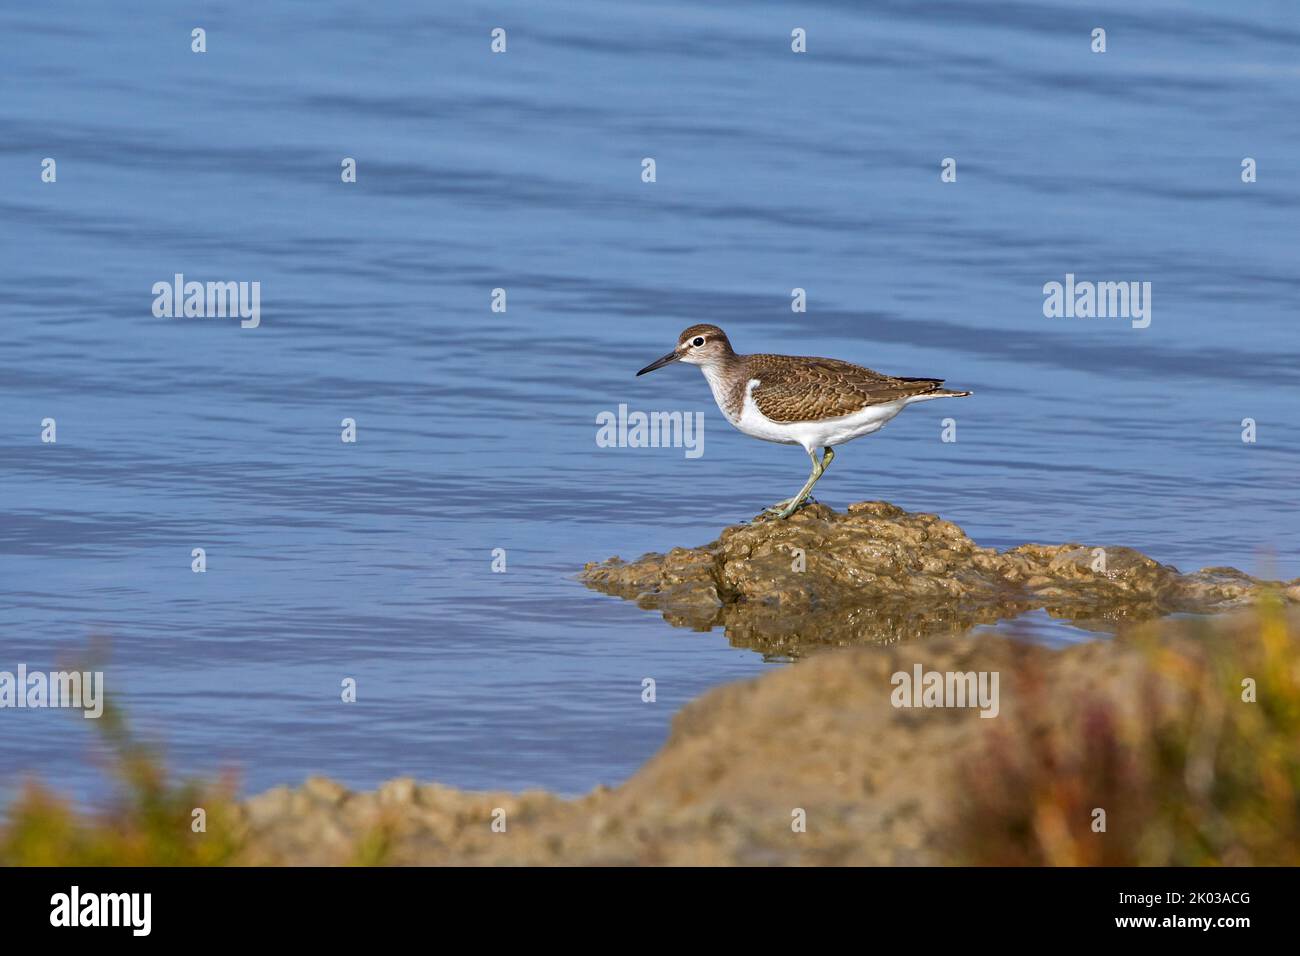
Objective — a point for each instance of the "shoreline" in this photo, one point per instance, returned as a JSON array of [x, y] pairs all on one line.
[[819, 745], [818, 764], [953, 749]]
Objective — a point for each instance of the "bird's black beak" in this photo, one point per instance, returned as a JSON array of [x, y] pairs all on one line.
[[660, 362]]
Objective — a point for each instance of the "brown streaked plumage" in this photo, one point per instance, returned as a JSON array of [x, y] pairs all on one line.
[[795, 388], [798, 400]]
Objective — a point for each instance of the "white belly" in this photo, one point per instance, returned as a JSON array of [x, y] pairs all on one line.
[[817, 434], [830, 431]]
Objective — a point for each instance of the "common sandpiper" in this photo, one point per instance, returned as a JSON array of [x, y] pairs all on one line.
[[798, 400]]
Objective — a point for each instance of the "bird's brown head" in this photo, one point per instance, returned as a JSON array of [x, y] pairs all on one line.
[[698, 345]]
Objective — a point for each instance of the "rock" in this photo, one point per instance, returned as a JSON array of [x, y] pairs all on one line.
[[265, 808], [877, 574], [324, 790], [397, 792]]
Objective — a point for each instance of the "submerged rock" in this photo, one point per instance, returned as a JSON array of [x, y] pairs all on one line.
[[877, 573]]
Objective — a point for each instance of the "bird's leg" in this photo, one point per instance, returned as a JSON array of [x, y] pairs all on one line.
[[791, 505], [828, 455]]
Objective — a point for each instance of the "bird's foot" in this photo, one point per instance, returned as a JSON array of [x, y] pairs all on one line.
[[784, 509]]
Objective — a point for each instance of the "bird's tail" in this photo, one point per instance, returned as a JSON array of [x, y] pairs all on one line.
[[935, 391]]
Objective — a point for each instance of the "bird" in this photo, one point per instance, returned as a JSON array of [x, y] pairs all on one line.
[[798, 400]]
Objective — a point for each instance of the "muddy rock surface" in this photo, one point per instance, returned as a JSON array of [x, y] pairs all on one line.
[[877, 574]]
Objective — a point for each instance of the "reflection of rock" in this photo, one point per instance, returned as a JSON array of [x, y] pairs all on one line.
[[878, 573]]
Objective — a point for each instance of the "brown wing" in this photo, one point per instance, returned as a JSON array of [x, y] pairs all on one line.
[[806, 389]]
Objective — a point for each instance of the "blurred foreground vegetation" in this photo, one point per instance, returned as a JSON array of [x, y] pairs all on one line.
[[149, 823], [1189, 770]]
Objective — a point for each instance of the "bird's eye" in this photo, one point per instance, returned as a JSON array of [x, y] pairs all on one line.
[[697, 341]]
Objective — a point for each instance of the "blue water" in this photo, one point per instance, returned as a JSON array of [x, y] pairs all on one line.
[[476, 429]]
